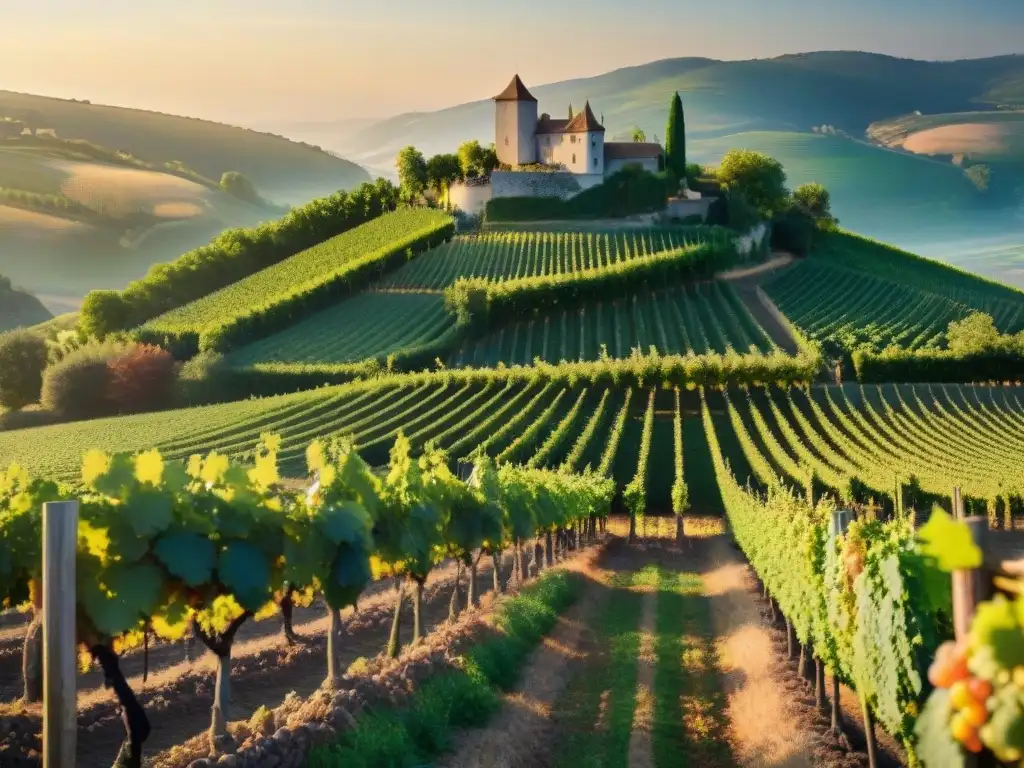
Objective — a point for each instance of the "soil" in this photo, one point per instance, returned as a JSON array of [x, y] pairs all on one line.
[[640, 745]]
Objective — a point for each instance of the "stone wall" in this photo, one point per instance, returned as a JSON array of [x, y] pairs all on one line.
[[681, 208], [470, 198], [534, 184]]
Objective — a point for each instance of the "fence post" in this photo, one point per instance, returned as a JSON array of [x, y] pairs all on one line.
[[969, 587], [60, 708]]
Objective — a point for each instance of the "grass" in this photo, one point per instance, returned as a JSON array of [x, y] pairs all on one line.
[[464, 697], [596, 713], [689, 718]]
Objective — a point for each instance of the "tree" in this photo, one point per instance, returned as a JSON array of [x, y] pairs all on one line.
[[239, 185], [442, 172], [675, 138], [489, 161], [23, 357], [814, 200], [974, 333], [570, 111], [412, 172], [471, 157], [757, 178], [639, 135]]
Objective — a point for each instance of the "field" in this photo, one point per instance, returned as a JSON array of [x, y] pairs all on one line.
[[341, 334], [508, 255], [693, 320], [298, 274], [983, 136]]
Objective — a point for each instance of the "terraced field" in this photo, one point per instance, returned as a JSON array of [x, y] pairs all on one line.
[[860, 294], [508, 255], [369, 325], [697, 319]]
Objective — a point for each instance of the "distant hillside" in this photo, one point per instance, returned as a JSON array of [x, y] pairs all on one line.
[[284, 170], [19, 309], [848, 90]]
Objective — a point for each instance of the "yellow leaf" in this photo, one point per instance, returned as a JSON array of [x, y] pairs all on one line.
[[149, 468], [95, 464], [165, 630], [214, 468], [96, 540], [195, 466], [264, 474], [315, 458]]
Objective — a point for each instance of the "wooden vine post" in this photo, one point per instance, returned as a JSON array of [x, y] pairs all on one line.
[[840, 523], [60, 708], [969, 587]]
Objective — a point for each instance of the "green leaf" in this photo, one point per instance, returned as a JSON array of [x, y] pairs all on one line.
[[1004, 732], [244, 570], [188, 556], [149, 512], [936, 747], [346, 522], [121, 596], [120, 474], [949, 542], [997, 635], [348, 578]]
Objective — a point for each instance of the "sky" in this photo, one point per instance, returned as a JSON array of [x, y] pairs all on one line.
[[260, 62]]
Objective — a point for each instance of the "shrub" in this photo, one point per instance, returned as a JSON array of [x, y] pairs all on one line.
[[23, 358], [78, 386], [732, 210], [759, 179], [142, 379]]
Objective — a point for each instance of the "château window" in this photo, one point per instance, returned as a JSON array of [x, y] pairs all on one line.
[[593, 141], [574, 158], [572, 139], [595, 162], [506, 141]]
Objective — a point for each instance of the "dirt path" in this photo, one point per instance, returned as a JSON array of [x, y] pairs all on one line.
[[511, 738], [777, 261], [764, 728]]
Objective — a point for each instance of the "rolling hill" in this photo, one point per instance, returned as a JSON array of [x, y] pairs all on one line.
[[18, 308], [285, 171], [849, 90]]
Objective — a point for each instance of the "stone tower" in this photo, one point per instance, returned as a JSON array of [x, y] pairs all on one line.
[[515, 124]]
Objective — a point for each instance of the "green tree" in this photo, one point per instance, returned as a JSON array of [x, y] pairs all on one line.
[[442, 172], [240, 186], [412, 172], [675, 138], [639, 135], [974, 333], [759, 179], [570, 111], [23, 357], [471, 158], [814, 200], [489, 160]]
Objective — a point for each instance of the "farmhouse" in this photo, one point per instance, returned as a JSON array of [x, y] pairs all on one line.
[[577, 143]]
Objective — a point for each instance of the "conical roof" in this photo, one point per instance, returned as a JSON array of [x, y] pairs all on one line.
[[515, 91], [583, 122]]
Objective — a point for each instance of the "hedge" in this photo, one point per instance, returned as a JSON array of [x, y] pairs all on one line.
[[231, 256], [627, 192], [1001, 364]]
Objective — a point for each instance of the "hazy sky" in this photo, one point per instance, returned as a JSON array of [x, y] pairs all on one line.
[[259, 61]]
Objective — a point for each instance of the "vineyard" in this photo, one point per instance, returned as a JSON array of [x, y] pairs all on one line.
[[510, 255], [543, 446], [697, 319], [340, 334]]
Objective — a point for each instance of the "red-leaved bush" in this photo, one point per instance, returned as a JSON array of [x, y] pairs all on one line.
[[141, 379]]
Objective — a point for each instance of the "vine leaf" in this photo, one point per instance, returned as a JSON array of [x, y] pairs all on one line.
[[949, 542], [188, 556], [244, 570], [936, 747], [121, 596], [996, 638]]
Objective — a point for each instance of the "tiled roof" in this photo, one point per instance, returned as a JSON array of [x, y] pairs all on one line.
[[515, 91], [548, 125], [583, 122], [631, 150]]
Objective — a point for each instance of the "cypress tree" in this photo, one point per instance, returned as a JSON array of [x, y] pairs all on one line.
[[570, 110], [675, 138]]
